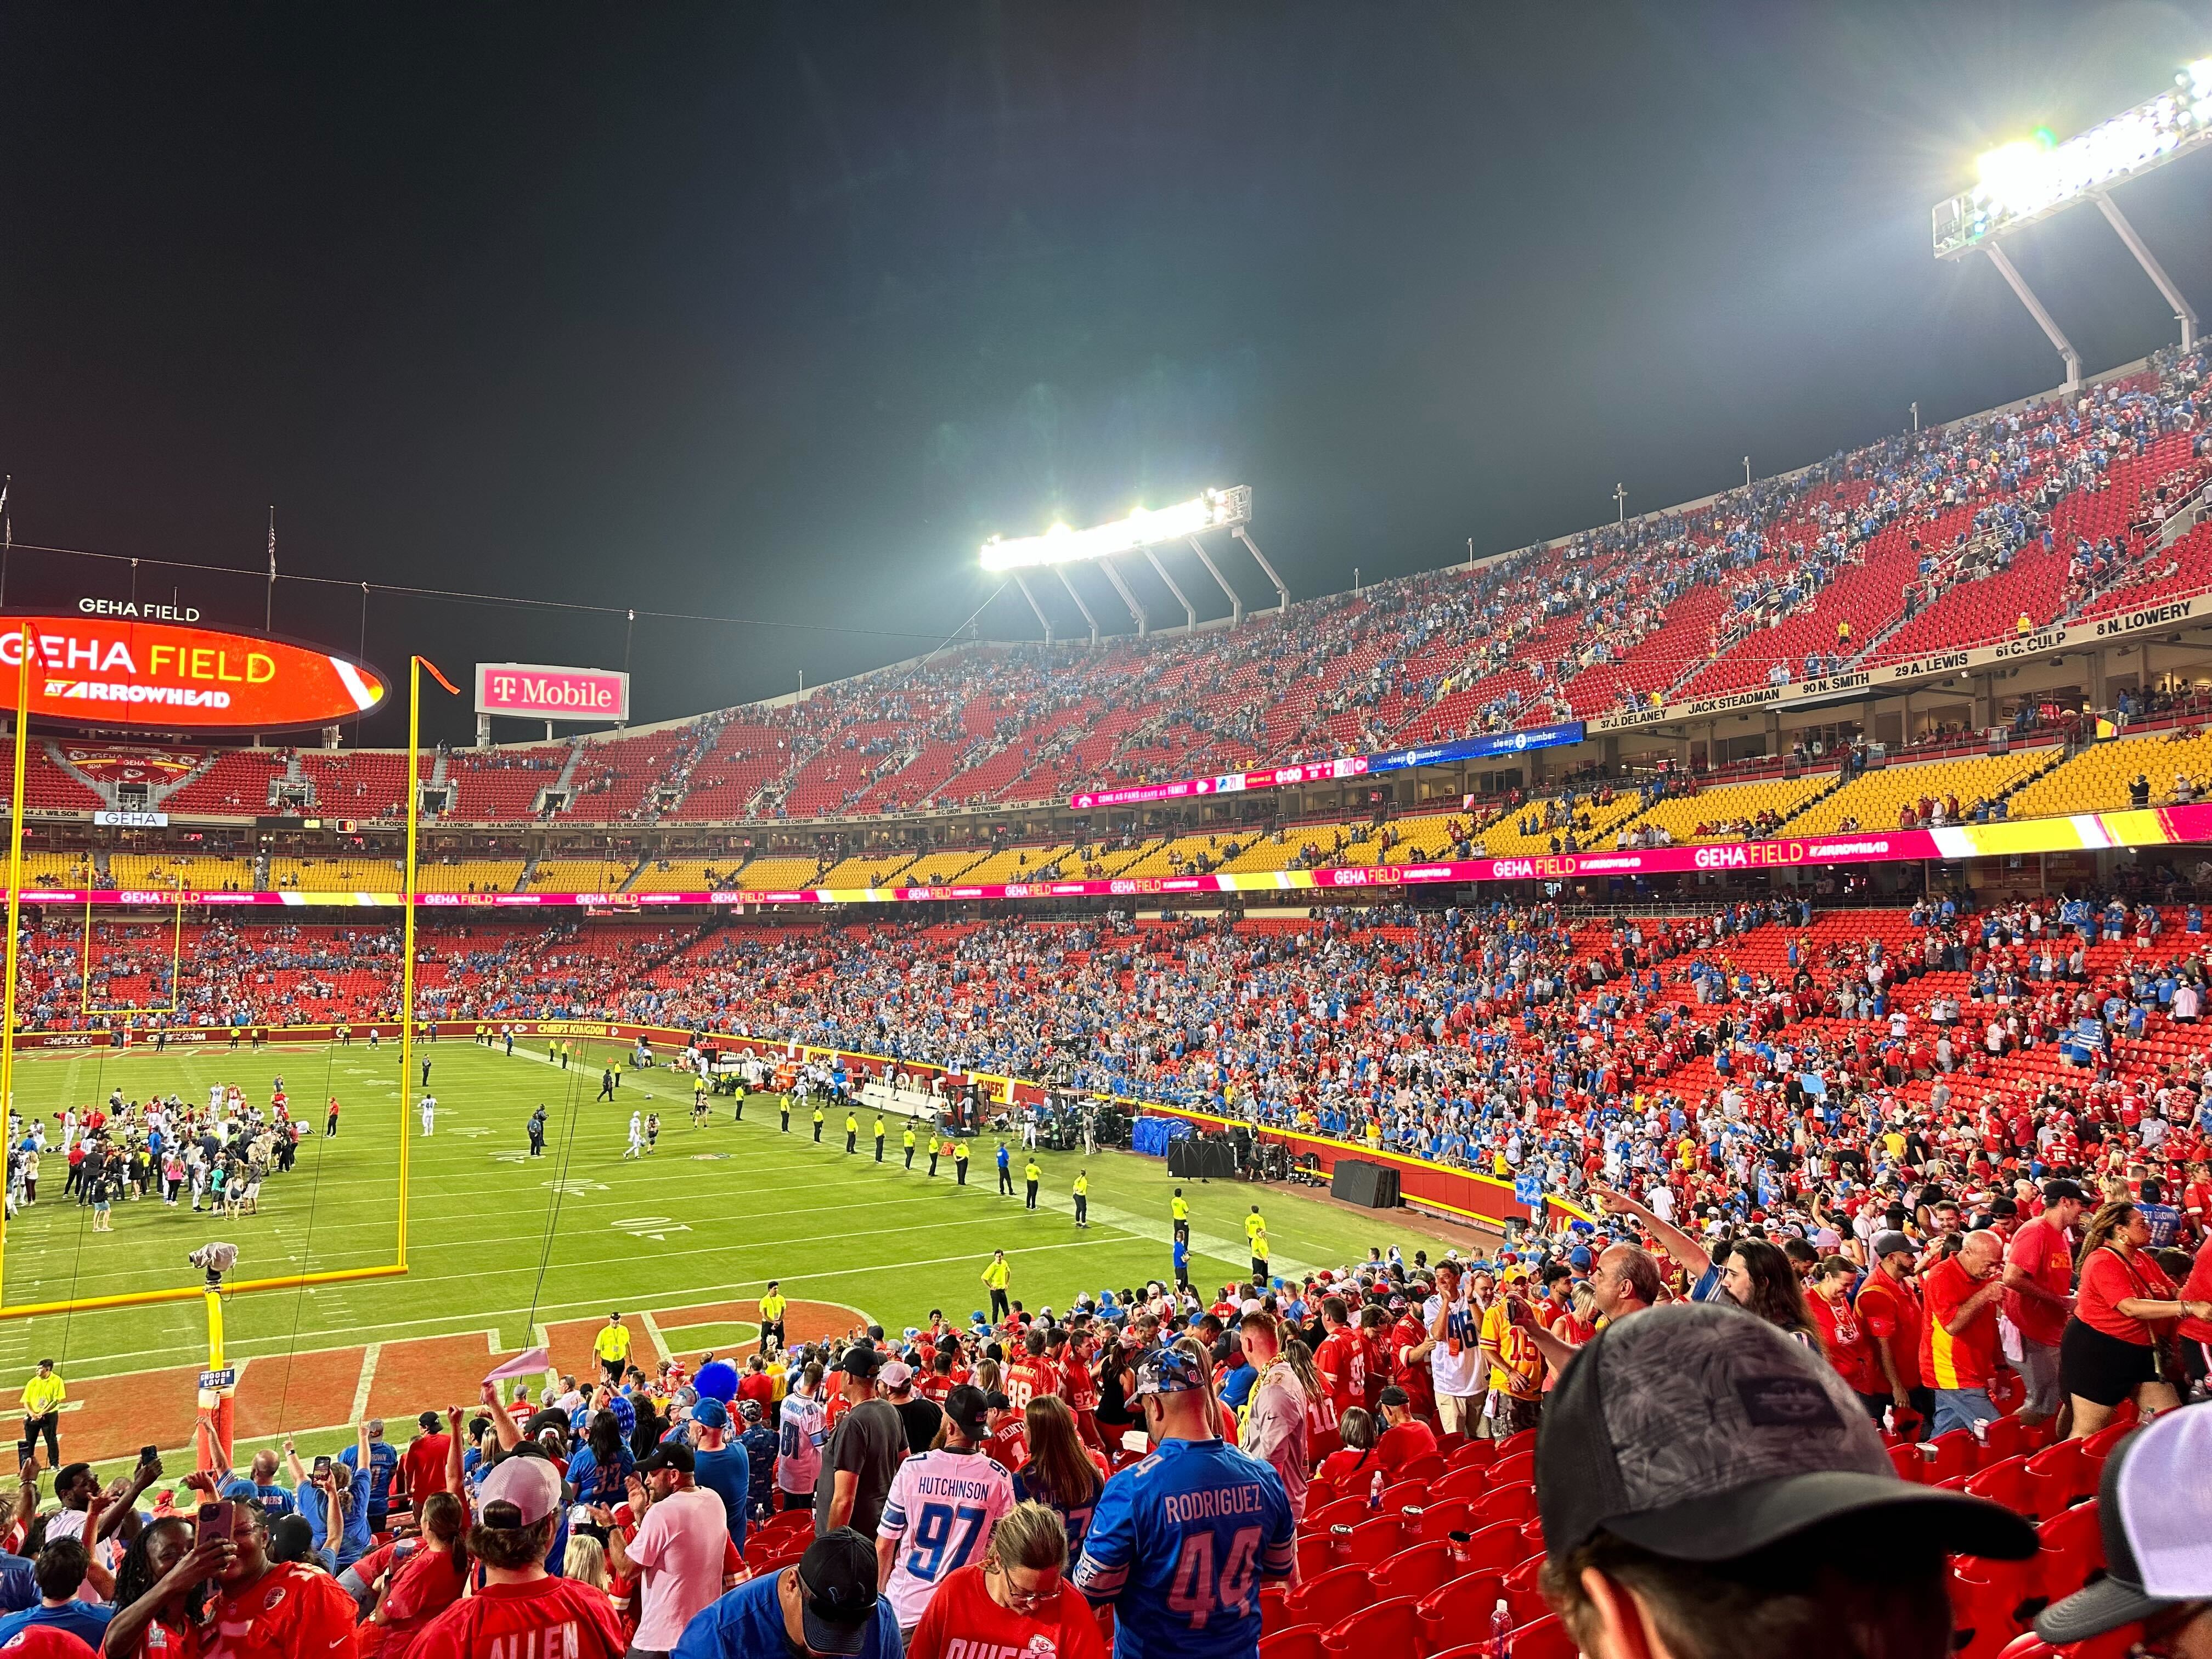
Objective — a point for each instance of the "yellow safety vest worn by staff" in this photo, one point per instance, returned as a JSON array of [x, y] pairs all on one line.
[[1082, 1185], [1030, 1172], [996, 1272], [613, 1342], [42, 1394], [771, 1308], [1178, 1210], [1254, 1226]]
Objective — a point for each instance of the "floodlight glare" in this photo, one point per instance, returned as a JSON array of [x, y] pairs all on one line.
[[2030, 180], [1216, 509]]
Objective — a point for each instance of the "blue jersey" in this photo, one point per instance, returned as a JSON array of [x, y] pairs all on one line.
[[1179, 1544]]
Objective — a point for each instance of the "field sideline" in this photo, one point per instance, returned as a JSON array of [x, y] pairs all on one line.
[[503, 1247]]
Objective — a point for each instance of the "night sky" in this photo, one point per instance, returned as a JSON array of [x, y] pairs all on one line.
[[775, 312]]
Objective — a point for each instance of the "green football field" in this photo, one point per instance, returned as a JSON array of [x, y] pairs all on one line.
[[507, 1245]]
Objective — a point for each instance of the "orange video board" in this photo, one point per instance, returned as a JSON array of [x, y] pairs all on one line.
[[165, 676]]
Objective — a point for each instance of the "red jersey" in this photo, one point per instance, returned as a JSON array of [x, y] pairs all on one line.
[[290, 1611], [1405, 1442], [1342, 1361], [963, 1622], [1845, 1340], [2045, 1254], [544, 1619], [1378, 1368], [1028, 1377], [1969, 1359], [1889, 1311], [1009, 1444], [935, 1386], [1417, 1379]]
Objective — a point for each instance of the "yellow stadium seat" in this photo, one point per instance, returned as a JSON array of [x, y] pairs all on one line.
[[1728, 808], [2097, 779], [1873, 799], [194, 872], [335, 875], [586, 876], [468, 876], [1505, 840]]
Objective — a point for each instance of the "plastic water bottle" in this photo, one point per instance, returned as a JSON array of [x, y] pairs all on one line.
[[1501, 1631], [1375, 1491]]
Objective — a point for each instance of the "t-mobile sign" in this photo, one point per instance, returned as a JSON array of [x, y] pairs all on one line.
[[530, 690]]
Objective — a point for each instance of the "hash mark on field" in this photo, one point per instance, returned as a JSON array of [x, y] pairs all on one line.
[[652, 1333]]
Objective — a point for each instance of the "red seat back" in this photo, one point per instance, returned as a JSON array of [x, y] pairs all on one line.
[[1415, 1571], [1330, 1598], [1462, 1605], [1514, 1467], [1301, 1643], [1393, 1627]]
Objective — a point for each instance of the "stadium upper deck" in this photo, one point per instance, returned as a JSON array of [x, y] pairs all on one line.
[[2008, 524]]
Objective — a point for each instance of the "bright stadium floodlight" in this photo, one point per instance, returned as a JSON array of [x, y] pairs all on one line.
[[1216, 509], [2031, 179], [1145, 532]]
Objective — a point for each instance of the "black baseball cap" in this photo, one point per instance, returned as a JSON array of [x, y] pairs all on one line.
[[837, 1575], [2154, 1508], [1702, 1433], [966, 1405], [863, 1363], [2059, 1191], [668, 1454]]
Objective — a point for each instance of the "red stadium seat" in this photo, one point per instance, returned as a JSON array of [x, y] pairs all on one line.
[[2073, 1549], [1544, 1639], [2059, 1476], [1300, 1642], [1514, 1467], [1331, 1598], [1442, 1520], [1404, 1495], [1424, 1469], [1909, 1463], [2007, 1482], [1377, 1538], [1393, 1627], [1475, 1455], [1460, 1606], [1515, 1503], [1416, 1571], [1515, 1444]]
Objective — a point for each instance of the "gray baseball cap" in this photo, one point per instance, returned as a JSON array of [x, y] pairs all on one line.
[[1702, 1433], [2154, 1508]]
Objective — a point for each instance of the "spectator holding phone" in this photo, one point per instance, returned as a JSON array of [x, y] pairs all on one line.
[[267, 1609], [336, 1507], [161, 1591]]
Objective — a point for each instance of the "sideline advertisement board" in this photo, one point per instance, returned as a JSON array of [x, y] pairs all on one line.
[[538, 691]]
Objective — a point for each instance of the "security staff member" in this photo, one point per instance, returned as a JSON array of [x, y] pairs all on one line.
[[852, 1133], [1032, 1175], [771, 1318], [1181, 1212], [908, 1139], [997, 1271], [960, 1161], [42, 1411], [611, 1345], [1006, 1171], [879, 1137], [1083, 1198], [820, 1118], [538, 1133], [784, 1105]]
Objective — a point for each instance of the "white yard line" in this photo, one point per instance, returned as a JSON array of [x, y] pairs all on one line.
[[367, 1378]]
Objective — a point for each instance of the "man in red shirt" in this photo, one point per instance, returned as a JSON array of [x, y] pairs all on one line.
[[521, 1609], [2038, 1281], [1407, 1439], [1889, 1311], [1009, 1440], [1410, 1345], [1342, 1358], [1032, 1374], [1958, 1339], [757, 1386], [422, 1465]]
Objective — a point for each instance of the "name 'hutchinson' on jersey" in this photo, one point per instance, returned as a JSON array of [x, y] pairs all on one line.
[[1179, 1544]]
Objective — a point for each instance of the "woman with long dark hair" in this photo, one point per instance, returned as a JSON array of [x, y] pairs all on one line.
[[1761, 1279], [600, 1473], [163, 1580], [2120, 1343], [1062, 1473]]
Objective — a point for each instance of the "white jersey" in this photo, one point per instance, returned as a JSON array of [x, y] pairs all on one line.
[[798, 1443], [942, 1507]]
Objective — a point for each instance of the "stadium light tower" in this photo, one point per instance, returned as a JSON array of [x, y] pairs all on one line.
[[1145, 533], [2032, 179]]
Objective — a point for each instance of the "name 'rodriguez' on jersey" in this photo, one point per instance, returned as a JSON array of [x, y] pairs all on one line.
[[1179, 1544]]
